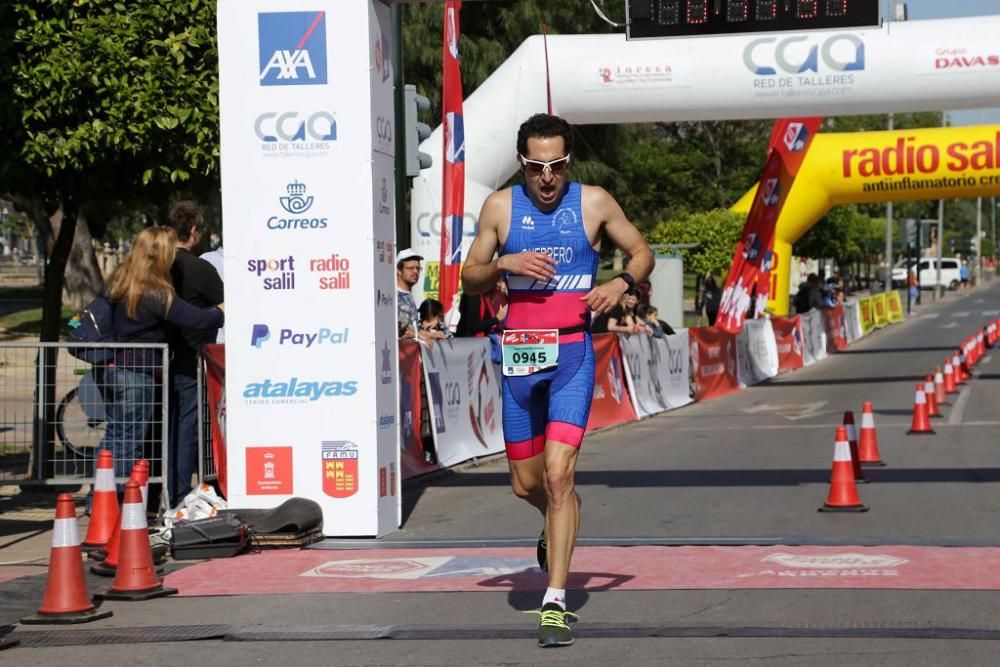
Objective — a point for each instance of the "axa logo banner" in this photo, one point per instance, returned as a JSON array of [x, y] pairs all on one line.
[[292, 48]]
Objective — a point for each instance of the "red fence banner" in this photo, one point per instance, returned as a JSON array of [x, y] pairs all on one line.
[[611, 404], [788, 336], [411, 379], [453, 176], [713, 362], [753, 258], [836, 328], [215, 380]]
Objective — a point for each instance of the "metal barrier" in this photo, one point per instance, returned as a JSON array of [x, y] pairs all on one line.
[[57, 411], [206, 454]]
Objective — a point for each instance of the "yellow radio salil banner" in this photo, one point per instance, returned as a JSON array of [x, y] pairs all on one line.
[[867, 319], [895, 303], [873, 167], [880, 311]]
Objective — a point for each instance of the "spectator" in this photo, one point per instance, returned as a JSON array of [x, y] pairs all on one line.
[[481, 315], [809, 295], [145, 308], [197, 282], [651, 316], [621, 318], [407, 315], [963, 274], [711, 297], [431, 314], [215, 258]]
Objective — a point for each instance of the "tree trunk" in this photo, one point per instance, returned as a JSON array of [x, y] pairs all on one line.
[[63, 224], [82, 279]]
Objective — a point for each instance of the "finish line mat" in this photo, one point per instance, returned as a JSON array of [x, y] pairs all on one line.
[[594, 569]]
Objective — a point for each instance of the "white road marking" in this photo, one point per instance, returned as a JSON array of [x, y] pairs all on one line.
[[791, 412], [831, 427], [961, 313], [988, 313], [950, 325], [955, 418], [931, 316]]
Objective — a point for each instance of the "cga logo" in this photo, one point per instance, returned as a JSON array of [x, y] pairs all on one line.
[[842, 52], [292, 48], [291, 126], [294, 390]]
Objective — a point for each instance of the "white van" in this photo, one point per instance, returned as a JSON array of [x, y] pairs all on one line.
[[951, 276]]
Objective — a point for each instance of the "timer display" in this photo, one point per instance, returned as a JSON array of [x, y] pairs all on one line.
[[692, 18]]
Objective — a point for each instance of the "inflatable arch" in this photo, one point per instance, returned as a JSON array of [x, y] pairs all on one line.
[[903, 66], [872, 167]]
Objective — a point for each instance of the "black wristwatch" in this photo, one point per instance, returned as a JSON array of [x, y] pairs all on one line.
[[627, 277]]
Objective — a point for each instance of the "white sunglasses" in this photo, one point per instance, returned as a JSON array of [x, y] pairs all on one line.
[[556, 166]]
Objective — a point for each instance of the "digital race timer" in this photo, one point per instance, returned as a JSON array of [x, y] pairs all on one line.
[[682, 18]]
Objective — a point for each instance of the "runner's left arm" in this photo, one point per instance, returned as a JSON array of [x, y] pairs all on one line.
[[624, 235]]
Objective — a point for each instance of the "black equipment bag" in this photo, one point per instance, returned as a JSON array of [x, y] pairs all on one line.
[[218, 537]]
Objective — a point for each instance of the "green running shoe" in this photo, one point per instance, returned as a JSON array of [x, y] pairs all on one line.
[[552, 628], [542, 552]]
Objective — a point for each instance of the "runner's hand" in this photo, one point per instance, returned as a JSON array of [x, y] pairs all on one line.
[[537, 265], [605, 297]]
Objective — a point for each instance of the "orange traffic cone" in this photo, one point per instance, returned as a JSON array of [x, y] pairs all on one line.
[[66, 599], [932, 406], [958, 366], [939, 394], [843, 495], [981, 343], [852, 440], [104, 508], [921, 423], [135, 578], [868, 442], [108, 557], [949, 378]]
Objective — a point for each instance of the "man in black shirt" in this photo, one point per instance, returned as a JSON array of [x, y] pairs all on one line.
[[197, 282]]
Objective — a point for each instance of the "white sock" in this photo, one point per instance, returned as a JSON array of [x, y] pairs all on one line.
[[555, 595]]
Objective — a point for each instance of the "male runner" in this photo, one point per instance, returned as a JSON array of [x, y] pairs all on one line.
[[548, 235]]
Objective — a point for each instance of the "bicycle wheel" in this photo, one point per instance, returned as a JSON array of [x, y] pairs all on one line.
[[78, 432]]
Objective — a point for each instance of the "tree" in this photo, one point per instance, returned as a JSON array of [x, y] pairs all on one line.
[[112, 101], [715, 234]]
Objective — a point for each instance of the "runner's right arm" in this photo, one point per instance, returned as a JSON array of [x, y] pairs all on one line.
[[481, 270]]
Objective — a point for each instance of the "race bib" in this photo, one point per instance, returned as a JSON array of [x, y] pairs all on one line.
[[527, 351]]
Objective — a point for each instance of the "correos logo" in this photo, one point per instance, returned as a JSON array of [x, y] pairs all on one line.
[[842, 52], [296, 202], [294, 390], [323, 336]]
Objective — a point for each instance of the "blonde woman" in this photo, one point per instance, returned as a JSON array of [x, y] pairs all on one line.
[[145, 305]]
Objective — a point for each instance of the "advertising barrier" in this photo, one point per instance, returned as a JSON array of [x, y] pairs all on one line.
[[814, 336], [852, 318], [866, 315], [411, 446], [880, 310], [657, 371], [713, 362], [215, 381], [836, 328], [612, 403], [756, 352], [463, 386], [894, 305], [788, 342]]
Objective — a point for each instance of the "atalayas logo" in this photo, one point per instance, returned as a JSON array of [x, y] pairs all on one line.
[[908, 157]]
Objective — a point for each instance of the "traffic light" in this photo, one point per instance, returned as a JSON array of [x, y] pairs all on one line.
[[416, 132], [910, 231]]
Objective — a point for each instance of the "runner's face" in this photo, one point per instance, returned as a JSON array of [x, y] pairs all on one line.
[[545, 188]]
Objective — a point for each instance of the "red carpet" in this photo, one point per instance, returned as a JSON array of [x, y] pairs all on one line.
[[594, 569]]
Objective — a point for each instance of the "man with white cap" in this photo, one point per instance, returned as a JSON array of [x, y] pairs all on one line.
[[407, 315]]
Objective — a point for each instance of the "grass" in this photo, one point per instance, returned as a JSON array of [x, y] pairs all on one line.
[[21, 293], [29, 322]]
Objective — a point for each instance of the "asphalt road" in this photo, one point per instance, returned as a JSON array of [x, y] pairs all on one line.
[[748, 468]]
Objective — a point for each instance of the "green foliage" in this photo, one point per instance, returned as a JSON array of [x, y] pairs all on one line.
[[117, 95], [716, 232], [844, 233]]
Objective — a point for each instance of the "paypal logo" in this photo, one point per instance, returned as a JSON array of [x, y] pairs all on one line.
[[259, 334], [292, 48], [323, 336]]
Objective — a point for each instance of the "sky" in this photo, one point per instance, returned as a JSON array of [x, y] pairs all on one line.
[[919, 10]]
